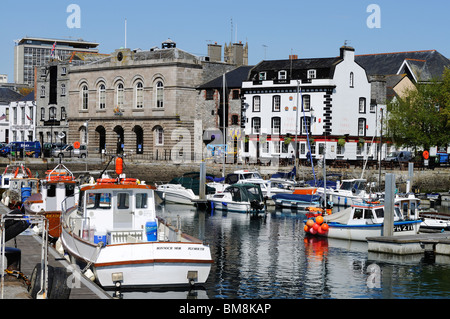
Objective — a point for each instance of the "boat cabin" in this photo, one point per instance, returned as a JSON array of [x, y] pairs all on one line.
[[362, 214], [353, 185], [240, 175], [244, 192], [115, 210], [17, 170]]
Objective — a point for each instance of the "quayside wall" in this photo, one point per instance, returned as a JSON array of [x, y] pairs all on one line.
[[424, 180]]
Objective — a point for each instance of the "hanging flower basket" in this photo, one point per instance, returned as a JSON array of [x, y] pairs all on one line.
[[341, 142], [287, 140]]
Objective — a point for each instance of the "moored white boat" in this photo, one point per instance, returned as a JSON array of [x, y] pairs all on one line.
[[365, 220], [240, 197], [115, 230], [349, 192], [185, 190]]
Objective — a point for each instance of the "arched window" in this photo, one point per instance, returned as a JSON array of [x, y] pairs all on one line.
[[84, 97], [52, 113], [119, 96], [102, 97], [139, 89], [159, 94]]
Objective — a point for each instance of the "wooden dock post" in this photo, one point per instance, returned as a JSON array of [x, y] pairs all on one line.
[[388, 224]]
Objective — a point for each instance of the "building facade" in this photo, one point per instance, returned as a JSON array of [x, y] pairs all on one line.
[[22, 126], [321, 105], [140, 102], [52, 96], [7, 96], [31, 52], [213, 95]]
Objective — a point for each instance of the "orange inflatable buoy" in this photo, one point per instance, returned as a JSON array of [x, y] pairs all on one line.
[[119, 165], [76, 145]]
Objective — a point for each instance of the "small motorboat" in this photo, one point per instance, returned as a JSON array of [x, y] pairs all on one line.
[[361, 221], [185, 189], [239, 197]]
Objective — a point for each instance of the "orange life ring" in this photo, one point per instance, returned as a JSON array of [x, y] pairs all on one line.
[[76, 145], [128, 181], [106, 181]]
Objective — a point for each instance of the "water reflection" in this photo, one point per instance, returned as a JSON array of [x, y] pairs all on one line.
[[270, 257]]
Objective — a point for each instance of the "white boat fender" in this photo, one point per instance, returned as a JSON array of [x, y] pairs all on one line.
[[90, 275], [58, 246], [6, 201]]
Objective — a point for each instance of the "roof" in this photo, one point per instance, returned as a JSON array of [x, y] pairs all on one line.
[[424, 65], [323, 66], [7, 95], [28, 97], [233, 79], [75, 43]]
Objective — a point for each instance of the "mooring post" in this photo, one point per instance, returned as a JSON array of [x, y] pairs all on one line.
[[389, 193], [202, 181]]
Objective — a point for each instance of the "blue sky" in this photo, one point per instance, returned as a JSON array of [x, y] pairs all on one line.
[[273, 29]]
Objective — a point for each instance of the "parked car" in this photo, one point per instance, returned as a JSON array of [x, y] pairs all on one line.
[[70, 151], [400, 156]]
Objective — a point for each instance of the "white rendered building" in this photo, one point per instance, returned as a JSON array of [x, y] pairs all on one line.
[[333, 96]]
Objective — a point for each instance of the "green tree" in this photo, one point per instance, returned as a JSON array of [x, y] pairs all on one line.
[[422, 117]]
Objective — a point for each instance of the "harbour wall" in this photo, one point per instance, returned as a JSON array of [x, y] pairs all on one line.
[[424, 180]]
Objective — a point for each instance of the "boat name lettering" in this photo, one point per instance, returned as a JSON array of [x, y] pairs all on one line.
[[169, 247], [399, 228], [196, 248]]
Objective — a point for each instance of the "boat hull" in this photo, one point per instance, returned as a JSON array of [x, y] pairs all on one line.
[[361, 232], [176, 197], [239, 207], [300, 201], [143, 264]]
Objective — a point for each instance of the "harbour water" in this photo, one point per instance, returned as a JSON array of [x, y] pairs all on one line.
[[270, 258]]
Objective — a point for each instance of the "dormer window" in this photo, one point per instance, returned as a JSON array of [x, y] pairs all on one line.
[[311, 74], [262, 76], [282, 75]]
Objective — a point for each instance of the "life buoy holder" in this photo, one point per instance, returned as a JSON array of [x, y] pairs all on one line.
[[106, 181]]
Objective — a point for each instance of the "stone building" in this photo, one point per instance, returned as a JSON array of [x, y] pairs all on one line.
[[52, 96], [210, 108], [140, 102]]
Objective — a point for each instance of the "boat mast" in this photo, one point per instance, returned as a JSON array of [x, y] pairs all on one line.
[[223, 133]]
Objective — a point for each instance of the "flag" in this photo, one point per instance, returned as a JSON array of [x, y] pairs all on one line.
[[3, 117], [53, 50], [29, 118]]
